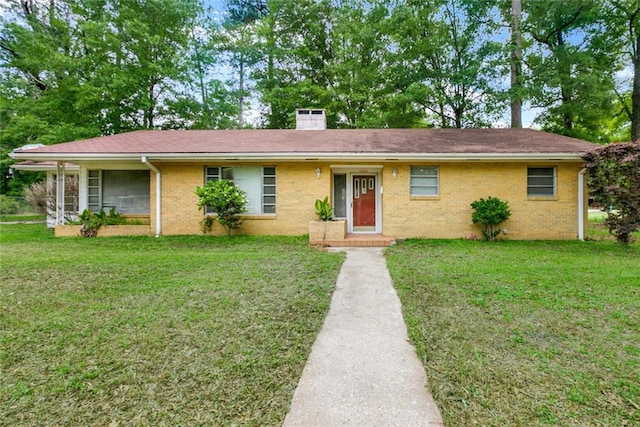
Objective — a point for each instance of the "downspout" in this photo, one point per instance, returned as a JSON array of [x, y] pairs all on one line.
[[581, 186], [158, 195]]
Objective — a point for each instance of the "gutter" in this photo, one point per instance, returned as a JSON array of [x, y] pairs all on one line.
[[302, 156], [581, 194], [158, 195]]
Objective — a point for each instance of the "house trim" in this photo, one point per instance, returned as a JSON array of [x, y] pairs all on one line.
[[302, 156], [350, 171]]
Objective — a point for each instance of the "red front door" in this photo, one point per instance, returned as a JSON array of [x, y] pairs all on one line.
[[364, 201]]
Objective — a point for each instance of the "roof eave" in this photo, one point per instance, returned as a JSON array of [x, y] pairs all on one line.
[[298, 156], [43, 167]]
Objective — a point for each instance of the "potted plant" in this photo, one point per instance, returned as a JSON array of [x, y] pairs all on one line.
[[326, 227]]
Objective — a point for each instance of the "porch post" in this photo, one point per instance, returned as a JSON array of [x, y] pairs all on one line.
[[60, 180]]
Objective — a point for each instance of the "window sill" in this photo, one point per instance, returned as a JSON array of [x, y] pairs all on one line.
[[425, 198], [542, 198], [252, 216], [258, 216]]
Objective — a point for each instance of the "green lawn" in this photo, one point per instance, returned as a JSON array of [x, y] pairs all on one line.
[[161, 332], [25, 217], [525, 333]]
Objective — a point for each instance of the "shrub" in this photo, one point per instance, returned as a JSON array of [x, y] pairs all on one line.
[[41, 196], [12, 205], [91, 221], [226, 200], [490, 212], [614, 180]]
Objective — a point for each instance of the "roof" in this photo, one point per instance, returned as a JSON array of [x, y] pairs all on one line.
[[316, 144]]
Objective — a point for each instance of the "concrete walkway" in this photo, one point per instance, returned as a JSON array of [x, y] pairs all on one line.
[[362, 370]]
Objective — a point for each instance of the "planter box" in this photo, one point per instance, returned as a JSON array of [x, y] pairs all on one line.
[[327, 230], [105, 230]]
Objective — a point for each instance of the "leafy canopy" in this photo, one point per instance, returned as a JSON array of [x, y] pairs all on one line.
[[614, 181]]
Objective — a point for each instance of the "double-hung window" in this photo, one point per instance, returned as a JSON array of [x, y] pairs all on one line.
[[424, 181], [541, 181], [258, 182]]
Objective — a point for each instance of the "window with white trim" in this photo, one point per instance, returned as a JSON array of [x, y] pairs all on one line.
[[258, 182], [424, 181], [127, 191], [541, 181]]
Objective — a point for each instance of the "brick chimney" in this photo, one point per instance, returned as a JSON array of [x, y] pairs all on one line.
[[311, 119]]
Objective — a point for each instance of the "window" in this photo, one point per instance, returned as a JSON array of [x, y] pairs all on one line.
[[541, 181], [340, 195], [259, 183], [125, 190], [424, 180], [94, 179]]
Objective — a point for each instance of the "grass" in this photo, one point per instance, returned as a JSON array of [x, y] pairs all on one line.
[[525, 333], [598, 230], [141, 331], [23, 217]]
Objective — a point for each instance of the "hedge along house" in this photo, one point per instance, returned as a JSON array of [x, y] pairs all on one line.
[[399, 183]]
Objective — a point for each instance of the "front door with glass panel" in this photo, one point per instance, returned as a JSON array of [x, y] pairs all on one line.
[[363, 190]]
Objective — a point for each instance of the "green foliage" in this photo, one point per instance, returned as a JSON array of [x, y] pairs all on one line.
[[490, 213], [614, 180], [324, 210], [226, 200], [12, 205], [92, 221]]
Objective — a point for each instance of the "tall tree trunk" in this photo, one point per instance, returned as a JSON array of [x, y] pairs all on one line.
[[635, 96], [516, 64], [566, 95], [241, 93]]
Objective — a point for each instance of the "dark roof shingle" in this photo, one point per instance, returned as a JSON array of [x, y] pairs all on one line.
[[330, 141]]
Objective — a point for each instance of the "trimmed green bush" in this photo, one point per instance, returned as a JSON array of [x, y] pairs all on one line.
[[226, 200], [490, 212]]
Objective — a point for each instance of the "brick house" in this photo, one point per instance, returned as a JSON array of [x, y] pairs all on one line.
[[399, 183]]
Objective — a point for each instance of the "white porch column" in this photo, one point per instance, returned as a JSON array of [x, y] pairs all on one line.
[[60, 181]]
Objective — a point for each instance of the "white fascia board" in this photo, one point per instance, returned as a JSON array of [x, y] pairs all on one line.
[[444, 157], [341, 157], [70, 169], [75, 157]]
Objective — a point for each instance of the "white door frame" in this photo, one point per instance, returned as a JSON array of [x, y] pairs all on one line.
[[350, 171]]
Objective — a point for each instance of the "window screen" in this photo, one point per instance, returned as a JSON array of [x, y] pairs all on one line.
[[541, 181], [259, 184], [126, 190], [424, 180]]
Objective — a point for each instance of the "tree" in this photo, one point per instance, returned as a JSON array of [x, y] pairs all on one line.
[[239, 41], [516, 64], [78, 69], [72, 69], [571, 73], [614, 181], [227, 202], [445, 47], [622, 37]]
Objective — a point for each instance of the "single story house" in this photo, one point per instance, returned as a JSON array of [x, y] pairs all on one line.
[[400, 183]]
